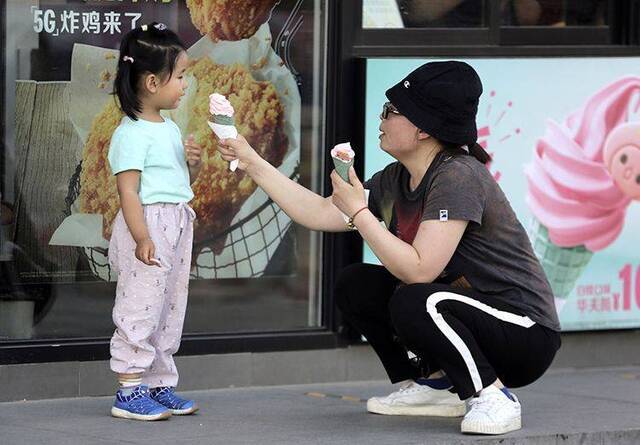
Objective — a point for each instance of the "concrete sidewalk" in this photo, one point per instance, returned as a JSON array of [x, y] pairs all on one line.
[[597, 406]]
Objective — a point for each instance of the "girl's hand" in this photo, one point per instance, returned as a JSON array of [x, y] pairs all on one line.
[[193, 152], [238, 148], [146, 252], [349, 198]]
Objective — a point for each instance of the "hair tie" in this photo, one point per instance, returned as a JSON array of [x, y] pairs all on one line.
[[144, 27], [160, 26], [127, 59]]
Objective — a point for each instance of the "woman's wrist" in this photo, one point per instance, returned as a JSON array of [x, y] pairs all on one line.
[[357, 212], [351, 222], [255, 165]]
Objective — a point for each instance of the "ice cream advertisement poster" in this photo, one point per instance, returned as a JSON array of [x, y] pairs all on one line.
[[564, 134]]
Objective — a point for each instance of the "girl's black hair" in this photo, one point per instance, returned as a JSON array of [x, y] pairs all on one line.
[[150, 49], [474, 150]]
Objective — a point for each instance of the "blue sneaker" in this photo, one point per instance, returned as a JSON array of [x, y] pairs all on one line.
[[138, 406], [178, 406]]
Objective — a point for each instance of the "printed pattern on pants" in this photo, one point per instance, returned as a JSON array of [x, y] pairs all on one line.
[[151, 301]]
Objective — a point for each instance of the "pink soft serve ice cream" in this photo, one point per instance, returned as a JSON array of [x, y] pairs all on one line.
[[571, 191], [343, 151], [220, 106]]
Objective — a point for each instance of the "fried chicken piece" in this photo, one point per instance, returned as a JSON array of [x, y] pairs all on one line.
[[98, 190], [229, 19], [259, 117]]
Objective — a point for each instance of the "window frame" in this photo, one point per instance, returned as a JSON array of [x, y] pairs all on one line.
[[622, 31]]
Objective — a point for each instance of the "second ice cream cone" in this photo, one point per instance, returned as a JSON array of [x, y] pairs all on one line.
[[342, 155]]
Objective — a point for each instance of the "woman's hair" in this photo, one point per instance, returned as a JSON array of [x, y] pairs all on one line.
[[148, 49], [474, 150]]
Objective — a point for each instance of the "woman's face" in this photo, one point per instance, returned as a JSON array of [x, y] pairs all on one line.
[[397, 134]]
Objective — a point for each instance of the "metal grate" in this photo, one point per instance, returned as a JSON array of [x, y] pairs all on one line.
[[250, 242]]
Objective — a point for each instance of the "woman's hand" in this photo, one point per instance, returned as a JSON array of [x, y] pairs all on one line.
[[146, 252], [240, 149], [349, 198]]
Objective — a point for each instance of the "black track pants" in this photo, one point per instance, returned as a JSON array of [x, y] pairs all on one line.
[[473, 338]]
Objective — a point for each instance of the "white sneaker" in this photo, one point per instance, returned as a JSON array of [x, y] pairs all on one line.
[[413, 399], [492, 412]]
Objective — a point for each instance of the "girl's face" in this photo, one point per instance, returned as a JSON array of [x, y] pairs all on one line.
[[168, 93], [397, 134]]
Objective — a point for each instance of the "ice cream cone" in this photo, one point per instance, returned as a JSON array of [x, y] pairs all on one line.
[[342, 156], [221, 121]]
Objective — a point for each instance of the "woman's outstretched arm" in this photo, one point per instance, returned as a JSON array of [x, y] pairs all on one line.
[[301, 204]]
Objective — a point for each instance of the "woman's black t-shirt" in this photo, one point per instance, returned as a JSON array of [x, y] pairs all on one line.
[[494, 255]]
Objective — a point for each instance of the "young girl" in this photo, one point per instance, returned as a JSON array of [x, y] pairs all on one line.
[[150, 247]]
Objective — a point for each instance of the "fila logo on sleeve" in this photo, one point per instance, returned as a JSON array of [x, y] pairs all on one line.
[[444, 215]]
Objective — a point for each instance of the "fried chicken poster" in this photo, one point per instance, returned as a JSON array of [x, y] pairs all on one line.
[[233, 51]]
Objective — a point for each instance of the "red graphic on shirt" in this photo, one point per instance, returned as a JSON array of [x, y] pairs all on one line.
[[408, 219]]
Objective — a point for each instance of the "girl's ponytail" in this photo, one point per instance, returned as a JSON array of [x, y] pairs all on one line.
[[125, 85]]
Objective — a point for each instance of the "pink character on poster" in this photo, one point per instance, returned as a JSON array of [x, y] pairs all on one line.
[[622, 158], [584, 174]]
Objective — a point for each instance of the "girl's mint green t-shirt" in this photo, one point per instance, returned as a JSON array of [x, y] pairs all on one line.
[[156, 150]]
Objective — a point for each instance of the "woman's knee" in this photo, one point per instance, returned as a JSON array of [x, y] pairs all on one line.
[[407, 305], [399, 305], [349, 287]]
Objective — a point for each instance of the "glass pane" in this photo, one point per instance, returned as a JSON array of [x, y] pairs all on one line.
[[252, 270], [554, 12], [422, 13]]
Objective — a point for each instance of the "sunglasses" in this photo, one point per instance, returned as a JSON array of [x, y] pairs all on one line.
[[388, 108]]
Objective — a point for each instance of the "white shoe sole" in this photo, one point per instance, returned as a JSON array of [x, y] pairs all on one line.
[[185, 412], [494, 429], [458, 410], [123, 414]]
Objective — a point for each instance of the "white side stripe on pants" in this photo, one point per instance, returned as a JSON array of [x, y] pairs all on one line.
[[455, 339]]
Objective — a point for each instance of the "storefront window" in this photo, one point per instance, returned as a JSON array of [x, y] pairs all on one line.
[[252, 270], [471, 13], [422, 13], [557, 13]]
